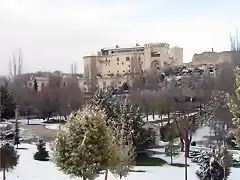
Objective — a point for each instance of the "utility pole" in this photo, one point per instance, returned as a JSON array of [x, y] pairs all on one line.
[[185, 153]]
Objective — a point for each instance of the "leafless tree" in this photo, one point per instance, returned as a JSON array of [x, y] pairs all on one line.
[[234, 42], [15, 65], [73, 69]]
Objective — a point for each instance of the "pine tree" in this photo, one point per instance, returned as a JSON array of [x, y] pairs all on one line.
[[133, 123], [234, 108], [225, 159], [8, 158], [106, 100], [212, 166], [35, 85], [7, 103], [124, 158], [85, 148], [16, 134], [172, 150], [41, 154]]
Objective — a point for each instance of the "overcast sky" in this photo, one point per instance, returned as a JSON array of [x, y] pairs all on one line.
[[55, 33]]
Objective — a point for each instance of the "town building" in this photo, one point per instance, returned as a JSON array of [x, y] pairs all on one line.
[[112, 64]]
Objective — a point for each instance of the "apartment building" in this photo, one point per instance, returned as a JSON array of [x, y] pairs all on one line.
[[111, 63]]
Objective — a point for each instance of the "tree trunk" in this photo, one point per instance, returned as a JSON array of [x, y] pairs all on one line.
[[171, 159], [182, 144], [147, 114], [4, 174], [106, 174], [153, 114], [187, 144], [28, 118], [168, 117]]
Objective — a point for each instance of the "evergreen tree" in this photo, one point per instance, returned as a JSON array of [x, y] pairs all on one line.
[[41, 154], [124, 158], [35, 85], [8, 158], [212, 167], [16, 134], [172, 150], [7, 103], [85, 148], [132, 123], [234, 107], [106, 100], [225, 159]]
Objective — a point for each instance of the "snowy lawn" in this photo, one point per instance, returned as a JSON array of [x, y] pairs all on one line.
[[30, 169]]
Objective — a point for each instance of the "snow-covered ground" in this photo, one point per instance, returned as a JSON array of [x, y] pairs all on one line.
[[156, 117], [25, 121], [54, 126], [30, 169]]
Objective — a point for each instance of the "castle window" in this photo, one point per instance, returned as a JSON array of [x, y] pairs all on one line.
[[122, 63], [117, 63], [129, 65], [117, 71], [117, 59], [129, 70], [85, 83], [106, 59], [127, 58], [123, 71]]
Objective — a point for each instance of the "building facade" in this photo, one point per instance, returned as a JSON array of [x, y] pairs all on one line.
[[111, 63]]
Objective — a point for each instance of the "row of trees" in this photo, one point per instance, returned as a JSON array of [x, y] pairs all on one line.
[[54, 99]]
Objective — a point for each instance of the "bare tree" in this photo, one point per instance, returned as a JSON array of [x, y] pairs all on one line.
[[15, 64], [234, 42], [73, 69]]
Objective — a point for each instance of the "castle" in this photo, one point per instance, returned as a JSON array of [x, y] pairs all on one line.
[[112, 67]]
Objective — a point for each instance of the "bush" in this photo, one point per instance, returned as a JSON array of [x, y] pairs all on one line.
[[41, 154]]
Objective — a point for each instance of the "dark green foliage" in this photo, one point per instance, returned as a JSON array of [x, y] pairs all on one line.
[[213, 167], [8, 158], [149, 161], [41, 154], [125, 87], [106, 101], [126, 116], [7, 103], [35, 85]]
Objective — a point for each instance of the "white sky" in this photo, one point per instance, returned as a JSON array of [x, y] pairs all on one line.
[[55, 33]]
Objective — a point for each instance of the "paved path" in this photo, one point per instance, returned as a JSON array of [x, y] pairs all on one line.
[[41, 131]]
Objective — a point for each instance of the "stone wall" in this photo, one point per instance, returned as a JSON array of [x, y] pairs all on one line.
[[211, 58]]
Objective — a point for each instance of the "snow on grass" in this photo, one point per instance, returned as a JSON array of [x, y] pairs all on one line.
[[25, 121], [157, 117], [56, 126], [191, 169], [30, 169], [200, 133]]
